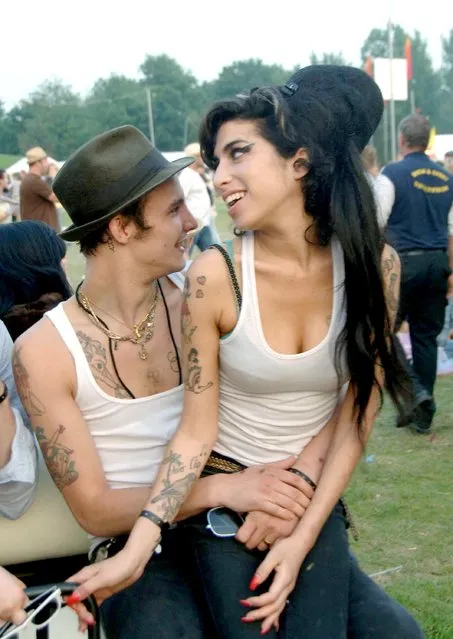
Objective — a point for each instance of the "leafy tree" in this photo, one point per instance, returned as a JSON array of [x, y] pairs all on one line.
[[245, 75], [446, 93], [328, 58]]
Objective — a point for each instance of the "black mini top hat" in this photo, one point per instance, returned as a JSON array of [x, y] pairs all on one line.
[[351, 101], [106, 174]]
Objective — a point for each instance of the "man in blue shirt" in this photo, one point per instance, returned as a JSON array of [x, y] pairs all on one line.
[[420, 227]]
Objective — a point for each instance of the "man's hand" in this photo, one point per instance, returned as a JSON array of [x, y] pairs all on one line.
[[12, 598], [261, 530], [450, 286], [270, 488]]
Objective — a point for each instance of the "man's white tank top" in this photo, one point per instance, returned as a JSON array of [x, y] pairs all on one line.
[[272, 404], [130, 434]]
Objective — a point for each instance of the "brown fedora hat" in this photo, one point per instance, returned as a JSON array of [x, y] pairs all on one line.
[[107, 174]]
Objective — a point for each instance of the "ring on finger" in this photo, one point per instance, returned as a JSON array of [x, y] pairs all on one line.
[[268, 542]]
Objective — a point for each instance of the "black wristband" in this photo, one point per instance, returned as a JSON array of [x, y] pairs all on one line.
[[4, 395], [303, 476], [163, 525]]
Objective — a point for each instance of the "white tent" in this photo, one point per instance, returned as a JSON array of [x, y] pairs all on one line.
[[442, 144], [22, 165]]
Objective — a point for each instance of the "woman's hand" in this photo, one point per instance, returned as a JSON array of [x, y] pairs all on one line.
[[106, 578], [270, 488], [12, 598], [261, 530], [285, 558]]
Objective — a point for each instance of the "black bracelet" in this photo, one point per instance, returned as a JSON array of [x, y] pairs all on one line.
[[303, 476], [148, 514], [4, 395]]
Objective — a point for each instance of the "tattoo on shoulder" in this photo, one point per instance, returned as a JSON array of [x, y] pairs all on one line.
[[32, 404], [187, 326], [57, 457], [96, 356], [174, 491], [192, 380]]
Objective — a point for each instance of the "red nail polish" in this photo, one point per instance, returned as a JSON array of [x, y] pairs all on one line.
[[264, 632], [254, 583], [91, 622], [73, 599], [245, 603], [247, 620]]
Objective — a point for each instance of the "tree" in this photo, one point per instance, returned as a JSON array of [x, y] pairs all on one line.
[[115, 101], [328, 58], [245, 75], [426, 83], [51, 117], [176, 100], [446, 93]]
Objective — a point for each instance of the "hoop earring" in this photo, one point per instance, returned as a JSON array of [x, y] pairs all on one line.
[[110, 244]]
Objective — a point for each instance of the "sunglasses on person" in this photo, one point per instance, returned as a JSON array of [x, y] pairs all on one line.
[[39, 610], [223, 522]]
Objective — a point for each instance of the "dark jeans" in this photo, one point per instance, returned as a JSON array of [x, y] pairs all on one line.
[[424, 280], [333, 598], [162, 604], [318, 605]]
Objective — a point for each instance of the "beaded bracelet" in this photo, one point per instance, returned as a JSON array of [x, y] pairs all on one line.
[[303, 476]]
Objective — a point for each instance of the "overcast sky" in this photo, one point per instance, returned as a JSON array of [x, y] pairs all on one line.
[[81, 41]]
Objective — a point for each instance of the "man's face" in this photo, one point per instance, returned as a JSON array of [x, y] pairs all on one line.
[[164, 242], [448, 162]]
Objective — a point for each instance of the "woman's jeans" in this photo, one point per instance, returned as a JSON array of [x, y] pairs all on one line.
[[163, 603], [333, 598]]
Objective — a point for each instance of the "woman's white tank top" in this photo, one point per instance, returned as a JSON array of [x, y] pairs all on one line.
[[271, 404]]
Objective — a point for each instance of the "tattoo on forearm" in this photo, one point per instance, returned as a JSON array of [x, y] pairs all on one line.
[[192, 380], [175, 491], [31, 403], [57, 457], [97, 359], [389, 270]]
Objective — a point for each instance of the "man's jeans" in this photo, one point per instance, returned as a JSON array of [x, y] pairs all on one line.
[[423, 298], [162, 604]]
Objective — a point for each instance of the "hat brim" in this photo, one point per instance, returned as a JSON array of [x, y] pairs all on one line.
[[74, 233]]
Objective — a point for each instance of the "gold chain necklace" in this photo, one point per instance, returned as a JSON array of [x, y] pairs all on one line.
[[143, 331]]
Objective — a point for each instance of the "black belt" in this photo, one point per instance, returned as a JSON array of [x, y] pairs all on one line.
[[421, 251]]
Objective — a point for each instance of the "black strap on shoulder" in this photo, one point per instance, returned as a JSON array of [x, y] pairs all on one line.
[[231, 271]]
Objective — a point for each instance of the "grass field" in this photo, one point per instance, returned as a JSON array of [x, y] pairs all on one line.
[[401, 498], [8, 160]]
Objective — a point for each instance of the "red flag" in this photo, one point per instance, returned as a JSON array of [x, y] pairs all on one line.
[[408, 56], [368, 66]]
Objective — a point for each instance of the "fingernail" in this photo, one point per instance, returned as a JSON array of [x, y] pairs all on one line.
[[73, 599], [254, 583], [245, 603], [264, 632], [247, 620], [91, 622]]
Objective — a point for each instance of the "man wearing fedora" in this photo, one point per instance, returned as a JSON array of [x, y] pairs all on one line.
[[37, 200], [100, 375]]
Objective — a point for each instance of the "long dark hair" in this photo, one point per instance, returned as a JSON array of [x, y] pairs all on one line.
[[338, 197], [30, 264]]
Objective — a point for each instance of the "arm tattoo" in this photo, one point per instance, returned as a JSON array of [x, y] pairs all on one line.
[[192, 380], [174, 491], [187, 328], [31, 403], [389, 271], [97, 359], [57, 457]]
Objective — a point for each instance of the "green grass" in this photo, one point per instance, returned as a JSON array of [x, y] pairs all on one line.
[[402, 502], [8, 160]]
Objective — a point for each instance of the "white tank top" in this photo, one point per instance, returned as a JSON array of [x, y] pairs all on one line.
[[130, 434], [271, 404]]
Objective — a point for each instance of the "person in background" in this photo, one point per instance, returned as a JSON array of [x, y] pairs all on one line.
[[200, 201], [37, 200], [32, 279], [420, 227], [382, 187], [448, 161], [18, 473]]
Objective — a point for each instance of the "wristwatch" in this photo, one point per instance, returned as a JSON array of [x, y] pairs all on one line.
[[4, 394]]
